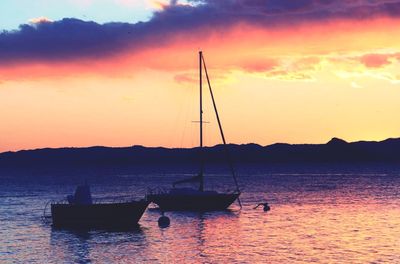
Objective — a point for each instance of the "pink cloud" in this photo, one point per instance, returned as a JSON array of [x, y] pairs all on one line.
[[259, 65], [375, 60]]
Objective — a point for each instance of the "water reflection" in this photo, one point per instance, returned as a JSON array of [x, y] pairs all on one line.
[[194, 237], [70, 244], [84, 246]]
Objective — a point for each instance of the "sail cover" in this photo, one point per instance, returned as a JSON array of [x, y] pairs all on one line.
[[196, 178]]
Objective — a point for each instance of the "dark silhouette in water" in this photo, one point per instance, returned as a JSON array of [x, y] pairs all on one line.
[[81, 213], [266, 206], [163, 221]]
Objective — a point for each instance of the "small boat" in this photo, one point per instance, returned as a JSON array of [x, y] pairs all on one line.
[[79, 211], [189, 199]]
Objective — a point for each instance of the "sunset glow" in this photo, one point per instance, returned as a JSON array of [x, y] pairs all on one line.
[[290, 76]]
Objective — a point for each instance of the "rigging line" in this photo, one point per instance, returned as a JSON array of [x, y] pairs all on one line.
[[220, 129]]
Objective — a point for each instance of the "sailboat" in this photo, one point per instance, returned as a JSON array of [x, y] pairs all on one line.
[[190, 199]]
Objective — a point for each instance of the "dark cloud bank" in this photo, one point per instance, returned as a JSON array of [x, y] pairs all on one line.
[[70, 38]]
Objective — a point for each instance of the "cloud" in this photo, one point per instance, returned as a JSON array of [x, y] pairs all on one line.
[[70, 39], [39, 20], [288, 69], [289, 75], [375, 60], [259, 65], [64, 40], [185, 78], [247, 35]]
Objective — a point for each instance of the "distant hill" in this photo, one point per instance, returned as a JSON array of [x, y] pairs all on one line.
[[120, 160]]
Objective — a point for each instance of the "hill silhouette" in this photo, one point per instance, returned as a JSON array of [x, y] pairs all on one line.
[[125, 159]]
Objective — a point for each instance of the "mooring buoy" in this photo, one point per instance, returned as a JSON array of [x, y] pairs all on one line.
[[163, 221]]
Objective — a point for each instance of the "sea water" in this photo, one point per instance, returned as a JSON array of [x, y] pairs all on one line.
[[315, 217]]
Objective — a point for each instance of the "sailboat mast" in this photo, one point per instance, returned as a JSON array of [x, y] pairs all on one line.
[[201, 187]]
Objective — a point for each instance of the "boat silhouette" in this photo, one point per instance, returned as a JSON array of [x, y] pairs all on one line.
[[190, 199], [79, 211]]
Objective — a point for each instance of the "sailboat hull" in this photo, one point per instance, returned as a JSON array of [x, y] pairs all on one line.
[[189, 202]]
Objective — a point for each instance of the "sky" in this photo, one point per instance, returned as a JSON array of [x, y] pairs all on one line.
[[77, 73], [16, 12]]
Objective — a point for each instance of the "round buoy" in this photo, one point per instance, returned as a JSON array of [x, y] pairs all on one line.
[[163, 221]]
